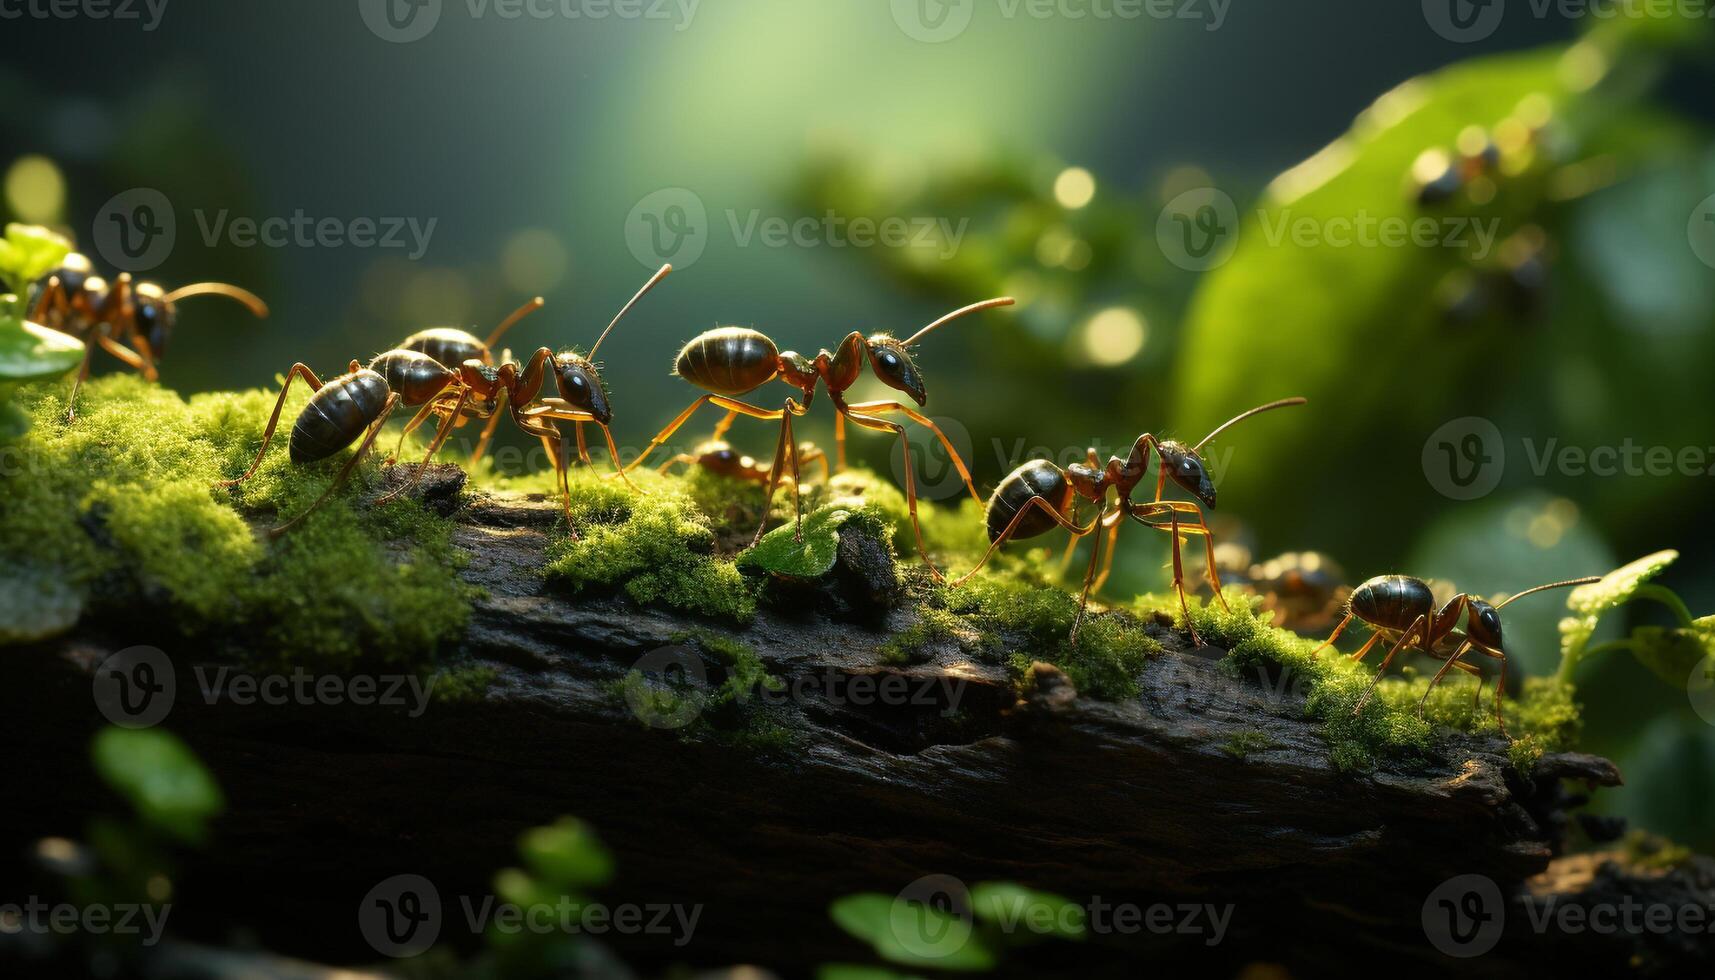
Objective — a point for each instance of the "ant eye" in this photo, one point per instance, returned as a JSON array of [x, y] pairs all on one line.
[[578, 380], [889, 359]]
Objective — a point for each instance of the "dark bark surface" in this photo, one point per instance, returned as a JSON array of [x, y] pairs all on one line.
[[1146, 801]]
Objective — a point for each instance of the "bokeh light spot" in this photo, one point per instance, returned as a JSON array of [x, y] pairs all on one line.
[[35, 190], [1074, 188], [1115, 336]]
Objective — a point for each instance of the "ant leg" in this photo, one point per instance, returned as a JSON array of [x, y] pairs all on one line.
[[839, 443], [1179, 585], [1038, 503], [53, 300], [1420, 623], [538, 423], [487, 432], [817, 456], [1364, 650], [1113, 525], [1066, 559], [1200, 528], [723, 425], [683, 458], [583, 447], [786, 448], [434, 445], [1452, 661], [435, 406], [299, 370], [883, 425], [82, 373], [345, 471], [1500, 682], [666, 433], [559, 408], [871, 408], [1334, 635], [1089, 579]]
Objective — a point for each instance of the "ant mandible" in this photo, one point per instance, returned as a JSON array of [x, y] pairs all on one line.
[[74, 300], [1402, 609], [732, 361], [1039, 496]]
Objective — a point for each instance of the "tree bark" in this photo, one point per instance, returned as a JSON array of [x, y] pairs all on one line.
[[1205, 789]]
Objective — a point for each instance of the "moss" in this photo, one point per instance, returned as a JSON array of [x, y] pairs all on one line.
[[657, 547], [1242, 744], [466, 684], [1652, 851], [119, 505], [1543, 719], [735, 713], [914, 644], [1111, 647]]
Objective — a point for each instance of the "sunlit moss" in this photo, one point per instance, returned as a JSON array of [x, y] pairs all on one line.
[[1035, 623], [1543, 719], [120, 505]]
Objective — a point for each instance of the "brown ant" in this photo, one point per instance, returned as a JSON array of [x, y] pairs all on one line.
[[718, 457], [732, 361], [1039, 496], [1402, 609], [360, 401], [74, 300]]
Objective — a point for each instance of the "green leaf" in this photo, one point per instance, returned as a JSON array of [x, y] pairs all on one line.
[[912, 933], [1014, 907], [29, 252], [1672, 653], [1619, 585], [566, 853], [853, 971], [1287, 316], [161, 777], [32, 352], [781, 553]]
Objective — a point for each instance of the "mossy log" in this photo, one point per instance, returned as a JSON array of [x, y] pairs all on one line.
[[1208, 787]]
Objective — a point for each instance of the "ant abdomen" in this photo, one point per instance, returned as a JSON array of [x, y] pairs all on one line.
[[1392, 601], [1037, 478], [416, 375], [337, 414], [728, 360], [449, 346]]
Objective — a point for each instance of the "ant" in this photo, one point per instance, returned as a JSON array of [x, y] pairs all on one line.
[[730, 362], [1039, 496], [718, 457], [451, 347], [74, 300], [360, 401], [1402, 609]]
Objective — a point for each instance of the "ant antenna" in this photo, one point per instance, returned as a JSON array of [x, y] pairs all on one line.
[[659, 275], [511, 321], [1551, 585], [245, 296], [1224, 426], [987, 304]]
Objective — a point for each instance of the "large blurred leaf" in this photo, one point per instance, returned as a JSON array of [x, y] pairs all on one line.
[[161, 777]]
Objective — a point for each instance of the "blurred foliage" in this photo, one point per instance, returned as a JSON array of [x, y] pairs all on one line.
[[959, 929], [28, 351]]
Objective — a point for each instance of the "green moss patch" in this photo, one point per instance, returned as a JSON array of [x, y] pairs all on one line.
[[119, 506], [1542, 719]]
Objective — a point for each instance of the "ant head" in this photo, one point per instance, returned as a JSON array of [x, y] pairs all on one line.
[[155, 315], [894, 366], [1484, 624], [580, 384], [1184, 467]]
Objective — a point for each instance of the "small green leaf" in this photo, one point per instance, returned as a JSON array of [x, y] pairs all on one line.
[[161, 778], [912, 933], [1014, 907], [781, 553], [566, 853], [1670, 653], [32, 352], [30, 252], [1619, 585]]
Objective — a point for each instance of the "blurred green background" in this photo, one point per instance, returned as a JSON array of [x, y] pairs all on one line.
[[1058, 149]]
